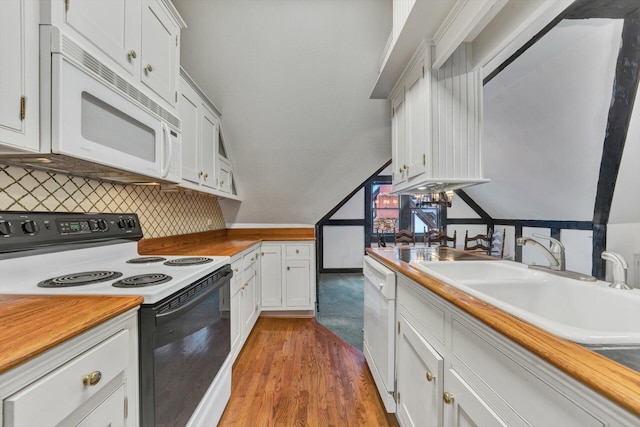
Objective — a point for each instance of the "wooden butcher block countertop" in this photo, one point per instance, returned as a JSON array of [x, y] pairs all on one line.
[[221, 242], [612, 380], [32, 324]]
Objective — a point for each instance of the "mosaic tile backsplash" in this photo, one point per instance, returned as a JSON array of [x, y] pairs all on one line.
[[162, 213]]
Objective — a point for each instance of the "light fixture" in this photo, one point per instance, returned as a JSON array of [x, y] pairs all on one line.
[[433, 200]]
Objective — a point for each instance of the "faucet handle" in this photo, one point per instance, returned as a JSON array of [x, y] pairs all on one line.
[[619, 269], [556, 245]]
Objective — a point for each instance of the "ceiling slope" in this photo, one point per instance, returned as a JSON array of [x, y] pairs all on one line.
[[292, 80]]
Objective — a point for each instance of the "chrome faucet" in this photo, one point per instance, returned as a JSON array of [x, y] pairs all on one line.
[[619, 269], [555, 254]]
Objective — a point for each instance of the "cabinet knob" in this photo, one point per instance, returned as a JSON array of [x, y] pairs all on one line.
[[235, 269], [221, 181], [92, 379], [288, 268], [297, 251], [447, 397], [132, 54], [430, 377], [206, 175], [262, 253], [149, 68], [200, 173]]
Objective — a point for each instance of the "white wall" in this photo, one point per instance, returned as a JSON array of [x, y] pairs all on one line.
[[353, 209], [343, 246], [460, 209], [545, 117]]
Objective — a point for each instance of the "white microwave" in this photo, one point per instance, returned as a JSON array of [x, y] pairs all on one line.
[[96, 124]]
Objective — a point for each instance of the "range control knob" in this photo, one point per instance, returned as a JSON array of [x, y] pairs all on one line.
[[29, 227], [122, 223], [102, 225], [131, 223], [5, 228]]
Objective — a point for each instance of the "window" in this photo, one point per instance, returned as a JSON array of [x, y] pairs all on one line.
[[388, 212], [386, 209]]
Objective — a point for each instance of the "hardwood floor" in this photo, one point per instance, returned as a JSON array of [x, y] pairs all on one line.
[[295, 372]]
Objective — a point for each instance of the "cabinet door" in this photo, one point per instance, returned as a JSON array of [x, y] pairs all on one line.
[[110, 412], [208, 139], [224, 175], [19, 99], [398, 138], [297, 283], [111, 25], [159, 51], [249, 305], [420, 377], [416, 100], [271, 276], [466, 408], [188, 104]]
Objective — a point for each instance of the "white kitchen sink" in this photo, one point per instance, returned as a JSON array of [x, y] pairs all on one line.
[[588, 313]]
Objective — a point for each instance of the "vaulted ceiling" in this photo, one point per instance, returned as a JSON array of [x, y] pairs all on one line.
[[292, 79]]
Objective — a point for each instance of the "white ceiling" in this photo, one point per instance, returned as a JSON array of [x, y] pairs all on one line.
[[292, 79]]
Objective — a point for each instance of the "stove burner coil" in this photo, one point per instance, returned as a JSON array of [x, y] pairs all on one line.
[[188, 261], [142, 280], [146, 260], [79, 279]]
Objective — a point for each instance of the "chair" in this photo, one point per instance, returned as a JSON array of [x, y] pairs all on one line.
[[439, 237], [478, 243], [497, 244], [404, 236]]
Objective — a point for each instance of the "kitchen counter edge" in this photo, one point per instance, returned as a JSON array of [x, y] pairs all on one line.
[[610, 379], [33, 324]]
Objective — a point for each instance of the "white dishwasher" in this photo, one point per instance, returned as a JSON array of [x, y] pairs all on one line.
[[379, 332]]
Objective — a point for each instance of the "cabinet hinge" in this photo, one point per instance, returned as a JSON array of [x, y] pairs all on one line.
[[398, 328], [176, 96], [398, 400], [66, 5], [424, 159], [126, 407], [423, 71], [23, 107], [393, 112], [176, 40]]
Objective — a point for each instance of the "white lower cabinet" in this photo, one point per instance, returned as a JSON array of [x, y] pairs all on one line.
[[418, 397], [287, 274], [89, 380], [245, 307], [453, 371]]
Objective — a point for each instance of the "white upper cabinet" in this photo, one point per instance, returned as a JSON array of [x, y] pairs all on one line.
[[112, 25], [19, 99], [138, 39], [160, 50], [206, 163]]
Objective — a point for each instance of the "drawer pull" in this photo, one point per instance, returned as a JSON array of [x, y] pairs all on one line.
[[297, 251], [92, 379], [430, 377], [448, 397]]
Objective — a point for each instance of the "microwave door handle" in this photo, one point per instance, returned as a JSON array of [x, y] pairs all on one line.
[[167, 149]]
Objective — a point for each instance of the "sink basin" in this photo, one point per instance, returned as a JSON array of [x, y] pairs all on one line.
[[588, 313]]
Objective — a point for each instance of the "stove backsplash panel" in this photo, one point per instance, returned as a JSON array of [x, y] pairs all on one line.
[[161, 213]]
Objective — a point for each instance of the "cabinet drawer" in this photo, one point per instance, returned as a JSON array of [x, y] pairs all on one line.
[[249, 259], [421, 310], [49, 400], [236, 279], [298, 251]]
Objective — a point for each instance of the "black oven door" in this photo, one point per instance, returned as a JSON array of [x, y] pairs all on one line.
[[185, 339]]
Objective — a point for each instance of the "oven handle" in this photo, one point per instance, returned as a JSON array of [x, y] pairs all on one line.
[[168, 316]]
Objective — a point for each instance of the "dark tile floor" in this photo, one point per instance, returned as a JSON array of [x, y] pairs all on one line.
[[341, 305]]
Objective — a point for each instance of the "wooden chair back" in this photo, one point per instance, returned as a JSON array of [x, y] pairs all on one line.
[[439, 237], [479, 242], [404, 236]]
